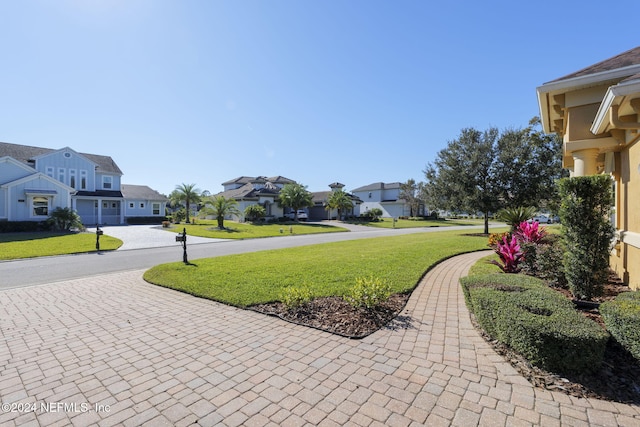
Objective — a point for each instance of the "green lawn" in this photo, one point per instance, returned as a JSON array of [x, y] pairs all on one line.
[[411, 223], [30, 245], [328, 269], [236, 230]]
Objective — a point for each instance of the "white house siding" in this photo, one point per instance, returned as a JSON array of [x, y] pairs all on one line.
[[389, 209]]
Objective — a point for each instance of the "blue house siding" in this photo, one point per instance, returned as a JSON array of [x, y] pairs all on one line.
[[34, 197], [36, 180]]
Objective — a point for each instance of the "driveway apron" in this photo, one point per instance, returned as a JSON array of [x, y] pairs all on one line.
[[115, 350]]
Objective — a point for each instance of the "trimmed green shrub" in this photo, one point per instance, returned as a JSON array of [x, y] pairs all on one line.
[[622, 318], [545, 260], [254, 212], [368, 292], [537, 322], [294, 297], [587, 231]]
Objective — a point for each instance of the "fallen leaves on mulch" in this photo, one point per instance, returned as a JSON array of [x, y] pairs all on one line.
[[335, 315]]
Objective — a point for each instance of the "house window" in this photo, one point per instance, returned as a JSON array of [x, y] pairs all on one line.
[[370, 194], [50, 171], [107, 182], [141, 205], [72, 178], [105, 205], [114, 205], [83, 180], [61, 174], [131, 205], [156, 208], [40, 206]]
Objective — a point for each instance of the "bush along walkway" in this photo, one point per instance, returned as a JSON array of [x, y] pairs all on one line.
[[136, 354]]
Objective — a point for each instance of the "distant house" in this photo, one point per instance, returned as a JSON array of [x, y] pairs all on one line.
[[36, 180], [318, 210], [384, 196], [260, 190], [596, 110]]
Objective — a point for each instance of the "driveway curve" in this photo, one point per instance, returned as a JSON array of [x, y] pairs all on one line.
[[115, 350]]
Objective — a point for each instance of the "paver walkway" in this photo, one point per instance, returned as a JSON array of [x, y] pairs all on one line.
[[114, 350]]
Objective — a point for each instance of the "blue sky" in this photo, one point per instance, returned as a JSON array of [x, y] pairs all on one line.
[[203, 91]]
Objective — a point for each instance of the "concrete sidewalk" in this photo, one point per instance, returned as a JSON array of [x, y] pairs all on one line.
[[114, 350]]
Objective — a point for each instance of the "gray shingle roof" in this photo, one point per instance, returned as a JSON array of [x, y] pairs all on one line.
[[378, 186], [24, 153], [141, 192], [625, 59]]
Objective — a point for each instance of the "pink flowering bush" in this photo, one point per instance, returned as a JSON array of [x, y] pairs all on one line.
[[530, 232], [510, 254]]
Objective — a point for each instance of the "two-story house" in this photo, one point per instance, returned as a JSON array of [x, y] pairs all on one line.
[[384, 196], [596, 110], [260, 190], [36, 180]]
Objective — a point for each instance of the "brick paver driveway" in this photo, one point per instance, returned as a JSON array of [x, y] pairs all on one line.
[[114, 350]]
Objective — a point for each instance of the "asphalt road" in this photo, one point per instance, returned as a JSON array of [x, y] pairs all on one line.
[[35, 271]]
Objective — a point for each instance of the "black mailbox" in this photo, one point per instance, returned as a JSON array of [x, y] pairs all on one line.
[[180, 238], [99, 232]]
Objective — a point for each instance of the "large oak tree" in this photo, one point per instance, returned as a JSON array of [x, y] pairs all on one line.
[[484, 171]]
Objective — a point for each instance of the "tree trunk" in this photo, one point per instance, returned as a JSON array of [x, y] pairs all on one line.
[[220, 222], [486, 223]]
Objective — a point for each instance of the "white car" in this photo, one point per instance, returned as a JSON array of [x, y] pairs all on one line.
[[542, 219], [302, 215]]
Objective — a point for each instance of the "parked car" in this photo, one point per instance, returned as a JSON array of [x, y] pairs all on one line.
[[542, 219], [302, 215]]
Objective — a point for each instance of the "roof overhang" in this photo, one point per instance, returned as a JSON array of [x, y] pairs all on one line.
[[550, 95], [619, 99]]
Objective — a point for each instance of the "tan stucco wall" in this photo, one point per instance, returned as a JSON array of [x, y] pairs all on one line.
[[627, 262], [579, 121]]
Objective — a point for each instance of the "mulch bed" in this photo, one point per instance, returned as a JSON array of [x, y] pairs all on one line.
[[618, 379], [335, 315]]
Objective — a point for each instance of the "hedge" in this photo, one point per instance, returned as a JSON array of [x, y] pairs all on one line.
[[143, 220], [622, 319], [536, 321], [22, 226]]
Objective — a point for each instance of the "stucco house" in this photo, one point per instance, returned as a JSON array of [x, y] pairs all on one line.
[[595, 110], [384, 196], [260, 190], [36, 180], [318, 210]]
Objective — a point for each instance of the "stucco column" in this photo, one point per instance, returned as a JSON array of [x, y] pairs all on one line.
[[584, 162]]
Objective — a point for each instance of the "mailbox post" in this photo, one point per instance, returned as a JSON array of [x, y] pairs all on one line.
[[183, 238], [98, 234]]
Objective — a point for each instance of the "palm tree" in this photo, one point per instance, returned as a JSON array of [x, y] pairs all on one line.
[[220, 206], [187, 193], [295, 196], [341, 201]]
